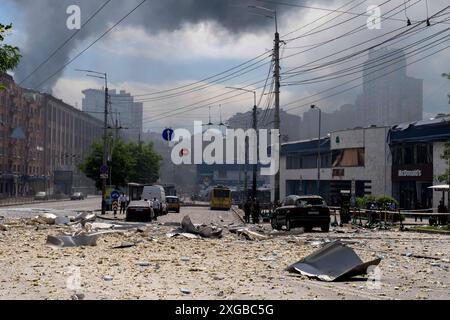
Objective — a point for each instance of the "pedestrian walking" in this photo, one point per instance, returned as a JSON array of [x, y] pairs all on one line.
[[123, 203], [156, 206]]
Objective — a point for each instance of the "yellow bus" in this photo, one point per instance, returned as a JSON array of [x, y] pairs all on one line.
[[220, 198]]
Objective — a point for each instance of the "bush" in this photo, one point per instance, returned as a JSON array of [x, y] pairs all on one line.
[[382, 201]]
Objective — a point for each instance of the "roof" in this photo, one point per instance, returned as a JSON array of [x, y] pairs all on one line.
[[306, 146], [437, 129]]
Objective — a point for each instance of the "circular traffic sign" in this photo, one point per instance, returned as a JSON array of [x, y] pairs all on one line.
[[168, 134], [104, 169], [115, 195]]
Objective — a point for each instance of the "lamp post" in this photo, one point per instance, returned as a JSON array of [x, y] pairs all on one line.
[[255, 165], [318, 148], [104, 76]]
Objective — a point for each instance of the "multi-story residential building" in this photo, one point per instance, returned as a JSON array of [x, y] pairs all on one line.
[[123, 108], [42, 142]]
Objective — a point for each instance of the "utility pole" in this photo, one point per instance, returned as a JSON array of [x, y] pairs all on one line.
[[276, 120], [105, 148], [318, 148], [255, 165], [104, 76]]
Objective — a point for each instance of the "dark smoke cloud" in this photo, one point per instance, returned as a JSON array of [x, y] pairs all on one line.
[[45, 25]]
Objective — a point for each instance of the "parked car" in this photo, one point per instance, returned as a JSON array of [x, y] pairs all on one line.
[[173, 204], [302, 211], [140, 211], [41, 196], [77, 196]]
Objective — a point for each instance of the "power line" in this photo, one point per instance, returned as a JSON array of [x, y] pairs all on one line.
[[88, 47], [65, 42]]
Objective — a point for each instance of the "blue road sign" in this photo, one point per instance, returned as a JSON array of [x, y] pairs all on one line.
[[115, 195], [167, 134], [104, 169]]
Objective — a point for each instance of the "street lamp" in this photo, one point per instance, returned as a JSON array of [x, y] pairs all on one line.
[[101, 75], [255, 165], [318, 148]]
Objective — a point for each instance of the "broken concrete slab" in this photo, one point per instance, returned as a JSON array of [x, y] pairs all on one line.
[[3, 227], [82, 240], [62, 220], [189, 230], [46, 218], [333, 262], [248, 234]]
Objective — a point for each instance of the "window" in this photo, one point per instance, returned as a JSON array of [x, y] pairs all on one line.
[[348, 157]]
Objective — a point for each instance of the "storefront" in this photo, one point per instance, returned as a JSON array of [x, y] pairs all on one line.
[[411, 185]]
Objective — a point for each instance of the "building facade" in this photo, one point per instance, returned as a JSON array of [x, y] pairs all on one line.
[[402, 161], [42, 142], [417, 149], [356, 160]]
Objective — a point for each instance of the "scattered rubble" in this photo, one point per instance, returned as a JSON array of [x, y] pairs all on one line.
[[333, 262], [72, 241], [189, 230]]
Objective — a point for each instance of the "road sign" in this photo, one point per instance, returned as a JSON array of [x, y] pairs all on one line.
[[115, 205], [104, 176], [167, 134], [115, 195], [104, 169]]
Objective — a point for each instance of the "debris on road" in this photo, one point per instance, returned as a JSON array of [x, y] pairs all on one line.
[[62, 220], [185, 291], [124, 245], [189, 230], [248, 234], [333, 262], [78, 296], [3, 227], [46, 218], [86, 216], [108, 278], [81, 240]]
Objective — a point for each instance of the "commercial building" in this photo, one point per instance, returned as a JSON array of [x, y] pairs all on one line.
[[356, 160], [417, 149], [402, 161]]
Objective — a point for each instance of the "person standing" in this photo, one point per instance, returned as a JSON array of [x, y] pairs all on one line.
[[442, 219], [247, 211], [123, 203], [156, 206]]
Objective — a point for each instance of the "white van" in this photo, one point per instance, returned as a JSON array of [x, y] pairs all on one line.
[[156, 191]]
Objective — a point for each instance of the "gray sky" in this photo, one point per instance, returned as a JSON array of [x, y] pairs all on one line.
[[165, 44]]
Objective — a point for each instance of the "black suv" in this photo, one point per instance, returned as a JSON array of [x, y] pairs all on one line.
[[302, 211]]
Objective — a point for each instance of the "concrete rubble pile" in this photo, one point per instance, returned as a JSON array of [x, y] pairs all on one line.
[[189, 230]]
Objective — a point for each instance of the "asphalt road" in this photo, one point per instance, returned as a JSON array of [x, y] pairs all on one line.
[[57, 208]]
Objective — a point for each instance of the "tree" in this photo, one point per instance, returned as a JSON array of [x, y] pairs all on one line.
[[130, 162], [445, 177], [147, 163], [9, 55]]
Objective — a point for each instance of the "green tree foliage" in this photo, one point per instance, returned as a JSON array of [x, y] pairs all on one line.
[[382, 201], [9, 55], [130, 162], [446, 156]]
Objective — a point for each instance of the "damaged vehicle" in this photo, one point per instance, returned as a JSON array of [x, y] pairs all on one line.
[[302, 211], [140, 211]]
